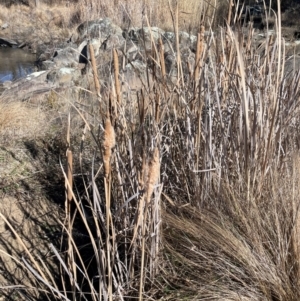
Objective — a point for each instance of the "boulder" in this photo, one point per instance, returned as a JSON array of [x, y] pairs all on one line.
[[46, 65], [135, 76], [64, 76], [185, 40], [147, 32], [7, 42], [67, 57], [25, 88], [108, 34]]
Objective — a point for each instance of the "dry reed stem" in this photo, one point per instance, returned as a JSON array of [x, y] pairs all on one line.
[[199, 52], [162, 58], [69, 174], [95, 245], [69, 186], [157, 107], [229, 11], [94, 68], [179, 63], [151, 173], [175, 21], [116, 71], [141, 222], [22, 244], [109, 225]]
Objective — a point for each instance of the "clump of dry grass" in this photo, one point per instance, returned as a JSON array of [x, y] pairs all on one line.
[[244, 248], [19, 120]]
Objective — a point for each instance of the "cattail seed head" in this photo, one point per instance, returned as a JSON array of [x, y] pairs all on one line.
[[109, 141], [154, 171]]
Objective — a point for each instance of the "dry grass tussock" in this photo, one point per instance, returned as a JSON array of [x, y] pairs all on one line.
[[20, 120], [184, 189], [245, 248]]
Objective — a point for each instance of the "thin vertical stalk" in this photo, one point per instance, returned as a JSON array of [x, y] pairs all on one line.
[[94, 68], [116, 71]]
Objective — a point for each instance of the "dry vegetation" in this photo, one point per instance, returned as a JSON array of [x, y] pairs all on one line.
[[52, 24], [187, 189]]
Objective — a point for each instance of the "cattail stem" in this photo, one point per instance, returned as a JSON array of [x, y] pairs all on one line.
[[199, 52], [108, 144], [162, 59], [117, 82], [94, 68], [69, 175], [229, 12]]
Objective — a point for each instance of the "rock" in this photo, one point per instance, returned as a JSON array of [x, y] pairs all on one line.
[[46, 65], [132, 50], [67, 57], [96, 28], [84, 53], [4, 26], [40, 75], [64, 76], [146, 33], [185, 40], [171, 65], [7, 42], [134, 75], [66, 64], [108, 34], [131, 35], [7, 84], [292, 65], [22, 45], [188, 60], [27, 87]]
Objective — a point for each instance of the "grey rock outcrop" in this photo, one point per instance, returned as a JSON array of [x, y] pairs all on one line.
[[64, 66], [105, 31], [25, 88], [7, 42], [64, 76]]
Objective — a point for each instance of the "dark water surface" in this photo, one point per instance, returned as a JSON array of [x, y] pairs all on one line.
[[15, 63]]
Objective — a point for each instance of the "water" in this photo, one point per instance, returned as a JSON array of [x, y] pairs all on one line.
[[15, 63]]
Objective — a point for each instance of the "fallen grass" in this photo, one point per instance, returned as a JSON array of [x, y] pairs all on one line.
[[189, 189]]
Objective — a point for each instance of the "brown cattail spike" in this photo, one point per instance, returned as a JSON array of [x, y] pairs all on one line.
[[109, 142], [153, 175]]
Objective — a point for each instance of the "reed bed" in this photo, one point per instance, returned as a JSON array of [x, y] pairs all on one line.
[[189, 188]]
